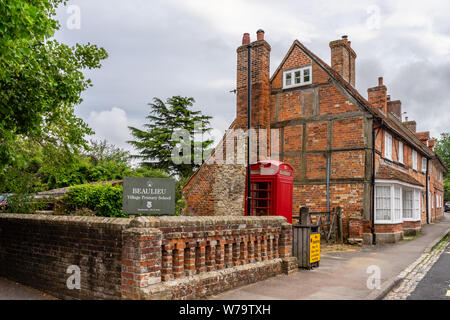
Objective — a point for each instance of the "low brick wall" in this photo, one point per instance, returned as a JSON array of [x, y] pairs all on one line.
[[37, 250], [145, 257]]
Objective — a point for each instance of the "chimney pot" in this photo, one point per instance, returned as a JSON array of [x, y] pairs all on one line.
[[246, 38], [260, 34], [380, 81]]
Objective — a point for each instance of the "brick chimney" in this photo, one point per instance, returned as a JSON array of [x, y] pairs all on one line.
[[395, 107], [377, 96], [343, 59], [411, 125], [260, 54]]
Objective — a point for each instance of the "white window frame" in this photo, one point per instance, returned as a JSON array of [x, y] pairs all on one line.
[[414, 160], [302, 77], [398, 205], [391, 203], [400, 153], [406, 206], [388, 146], [417, 195], [395, 217], [424, 164]]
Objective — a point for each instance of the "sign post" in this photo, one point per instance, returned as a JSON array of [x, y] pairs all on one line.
[[148, 196]]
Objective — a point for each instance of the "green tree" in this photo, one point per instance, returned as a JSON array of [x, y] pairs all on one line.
[[442, 149], [173, 125], [40, 79]]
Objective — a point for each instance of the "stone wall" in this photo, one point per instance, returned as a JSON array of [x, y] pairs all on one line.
[[145, 257]]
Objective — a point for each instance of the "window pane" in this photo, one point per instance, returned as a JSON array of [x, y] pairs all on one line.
[[288, 79], [383, 203], [297, 77], [407, 204], [306, 75]]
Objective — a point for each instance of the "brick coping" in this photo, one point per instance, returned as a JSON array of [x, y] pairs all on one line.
[[150, 221]]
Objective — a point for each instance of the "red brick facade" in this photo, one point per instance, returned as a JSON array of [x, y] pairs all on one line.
[[326, 130]]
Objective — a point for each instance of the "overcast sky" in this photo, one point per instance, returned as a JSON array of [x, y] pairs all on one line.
[[165, 48]]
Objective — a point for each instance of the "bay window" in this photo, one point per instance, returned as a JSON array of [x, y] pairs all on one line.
[[396, 202]]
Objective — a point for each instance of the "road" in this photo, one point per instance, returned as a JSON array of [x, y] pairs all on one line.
[[436, 283]]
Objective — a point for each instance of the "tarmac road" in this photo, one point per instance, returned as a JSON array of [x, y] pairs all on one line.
[[436, 283]]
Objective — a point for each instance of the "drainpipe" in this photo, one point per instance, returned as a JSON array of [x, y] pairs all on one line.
[[328, 182], [374, 137]]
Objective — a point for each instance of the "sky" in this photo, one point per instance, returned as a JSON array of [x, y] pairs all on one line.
[[188, 47]]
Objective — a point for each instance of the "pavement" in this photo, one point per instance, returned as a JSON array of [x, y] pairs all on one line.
[[347, 275], [10, 290], [341, 275]]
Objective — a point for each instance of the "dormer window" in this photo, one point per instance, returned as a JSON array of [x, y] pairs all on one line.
[[297, 77]]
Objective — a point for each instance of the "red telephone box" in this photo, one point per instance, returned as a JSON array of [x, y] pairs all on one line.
[[271, 189]]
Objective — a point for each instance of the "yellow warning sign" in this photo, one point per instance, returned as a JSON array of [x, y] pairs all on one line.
[[314, 248]]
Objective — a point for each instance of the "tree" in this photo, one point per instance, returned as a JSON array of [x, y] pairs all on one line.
[[442, 148], [40, 79], [173, 125], [101, 151]]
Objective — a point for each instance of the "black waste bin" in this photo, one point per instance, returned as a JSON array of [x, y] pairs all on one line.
[[306, 242]]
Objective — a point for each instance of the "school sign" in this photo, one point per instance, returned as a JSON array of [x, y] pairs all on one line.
[[148, 196]]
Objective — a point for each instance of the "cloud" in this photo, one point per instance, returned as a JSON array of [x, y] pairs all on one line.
[[111, 125], [162, 48]]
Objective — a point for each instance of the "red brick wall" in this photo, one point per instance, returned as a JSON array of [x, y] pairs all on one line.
[[388, 228]]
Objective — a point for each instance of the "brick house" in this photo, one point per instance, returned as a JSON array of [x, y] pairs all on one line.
[[345, 150]]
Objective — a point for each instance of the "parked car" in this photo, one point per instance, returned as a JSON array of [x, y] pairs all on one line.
[[447, 206], [3, 202]]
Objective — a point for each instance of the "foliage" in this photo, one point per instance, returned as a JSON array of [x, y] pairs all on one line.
[[24, 204], [442, 148], [101, 151], [40, 79], [155, 142], [40, 167], [103, 200], [447, 189]]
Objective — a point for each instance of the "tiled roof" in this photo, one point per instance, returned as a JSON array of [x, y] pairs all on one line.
[[391, 123], [387, 172]]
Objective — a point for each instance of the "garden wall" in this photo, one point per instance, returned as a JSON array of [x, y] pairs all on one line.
[[144, 257]]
